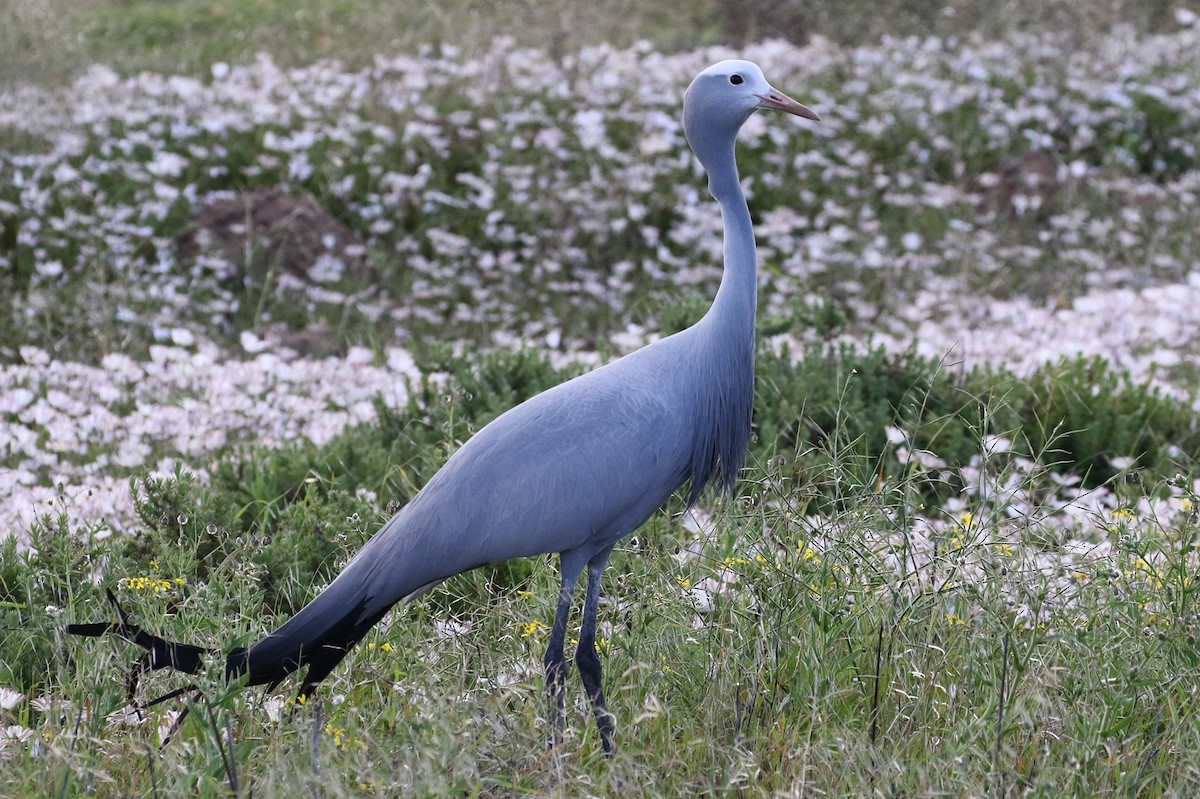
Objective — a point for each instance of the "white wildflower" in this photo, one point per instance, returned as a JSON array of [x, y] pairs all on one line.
[[10, 698]]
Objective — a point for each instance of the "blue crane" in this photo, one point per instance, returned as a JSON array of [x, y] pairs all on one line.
[[572, 470]]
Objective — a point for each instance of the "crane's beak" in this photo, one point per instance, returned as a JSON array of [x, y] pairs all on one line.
[[781, 102]]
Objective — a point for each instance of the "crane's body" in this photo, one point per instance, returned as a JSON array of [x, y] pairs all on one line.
[[572, 470], [624, 438]]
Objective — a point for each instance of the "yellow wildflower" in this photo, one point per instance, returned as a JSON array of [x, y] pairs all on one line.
[[532, 628], [340, 738], [155, 584], [1123, 516]]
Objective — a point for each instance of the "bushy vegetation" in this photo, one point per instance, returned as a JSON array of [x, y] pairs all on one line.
[[1077, 417], [797, 629]]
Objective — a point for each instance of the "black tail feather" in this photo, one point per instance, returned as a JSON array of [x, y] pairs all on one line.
[[268, 668], [160, 653], [333, 651]]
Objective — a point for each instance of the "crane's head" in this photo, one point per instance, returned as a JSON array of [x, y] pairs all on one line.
[[720, 100]]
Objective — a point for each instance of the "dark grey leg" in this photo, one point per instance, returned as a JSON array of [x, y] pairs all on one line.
[[555, 661], [586, 658]]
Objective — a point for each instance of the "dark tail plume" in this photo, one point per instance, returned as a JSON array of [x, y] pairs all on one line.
[[399, 561], [317, 643], [319, 638], [160, 653]]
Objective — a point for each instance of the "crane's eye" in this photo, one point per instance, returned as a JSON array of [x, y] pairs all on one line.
[[736, 80]]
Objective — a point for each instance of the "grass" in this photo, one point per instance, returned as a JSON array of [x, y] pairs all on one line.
[[886, 647], [829, 674]]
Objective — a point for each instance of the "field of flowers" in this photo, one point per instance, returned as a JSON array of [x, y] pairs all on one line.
[[999, 203], [883, 609]]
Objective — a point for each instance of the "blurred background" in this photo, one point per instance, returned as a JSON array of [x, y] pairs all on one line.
[[45, 41]]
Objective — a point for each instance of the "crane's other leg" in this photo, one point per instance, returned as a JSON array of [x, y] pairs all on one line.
[[588, 660], [571, 566]]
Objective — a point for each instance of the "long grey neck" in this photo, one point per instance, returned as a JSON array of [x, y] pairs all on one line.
[[725, 396], [737, 298]]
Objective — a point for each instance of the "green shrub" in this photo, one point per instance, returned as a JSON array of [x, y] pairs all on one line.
[[36, 586], [1083, 415], [829, 408]]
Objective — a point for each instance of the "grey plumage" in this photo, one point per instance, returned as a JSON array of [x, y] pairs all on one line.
[[572, 470]]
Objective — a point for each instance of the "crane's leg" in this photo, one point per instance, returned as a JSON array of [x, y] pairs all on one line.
[[555, 661], [586, 657]]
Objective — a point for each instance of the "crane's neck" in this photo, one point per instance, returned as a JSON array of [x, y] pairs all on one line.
[[733, 309], [725, 339]]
